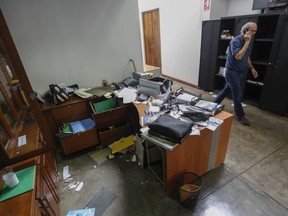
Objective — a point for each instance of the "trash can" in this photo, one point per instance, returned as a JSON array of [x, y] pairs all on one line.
[[189, 186]]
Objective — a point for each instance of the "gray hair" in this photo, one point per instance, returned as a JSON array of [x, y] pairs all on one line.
[[246, 26]]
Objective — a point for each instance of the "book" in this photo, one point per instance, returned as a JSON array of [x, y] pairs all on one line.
[[206, 105]]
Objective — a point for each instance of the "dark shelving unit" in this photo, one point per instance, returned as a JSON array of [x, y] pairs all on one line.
[[269, 57]]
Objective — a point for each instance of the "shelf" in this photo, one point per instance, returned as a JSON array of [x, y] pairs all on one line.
[[222, 57], [260, 62], [255, 83], [225, 39], [264, 40], [219, 75], [32, 134]]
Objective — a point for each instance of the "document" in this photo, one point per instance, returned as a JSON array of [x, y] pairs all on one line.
[[82, 92], [128, 94], [82, 212]]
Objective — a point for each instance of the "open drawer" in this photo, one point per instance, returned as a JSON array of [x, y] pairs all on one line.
[[105, 115], [109, 135], [79, 141]]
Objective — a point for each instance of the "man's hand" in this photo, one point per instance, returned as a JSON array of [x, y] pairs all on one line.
[[254, 72], [247, 36]]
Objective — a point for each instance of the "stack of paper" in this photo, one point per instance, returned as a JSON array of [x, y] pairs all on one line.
[[206, 105]]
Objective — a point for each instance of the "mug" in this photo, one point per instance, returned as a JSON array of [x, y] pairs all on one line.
[[9, 177]]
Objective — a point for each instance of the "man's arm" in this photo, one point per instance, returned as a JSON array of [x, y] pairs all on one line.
[[249, 63], [251, 68], [241, 53]]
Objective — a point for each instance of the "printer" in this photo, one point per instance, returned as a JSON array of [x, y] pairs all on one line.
[[155, 86]]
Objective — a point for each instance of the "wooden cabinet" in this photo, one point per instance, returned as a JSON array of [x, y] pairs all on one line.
[[25, 139], [47, 186], [268, 56], [73, 110], [111, 124], [21, 120]]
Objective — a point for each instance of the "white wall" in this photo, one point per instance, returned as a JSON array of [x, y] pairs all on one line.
[[221, 8], [85, 42], [181, 25], [74, 41], [243, 7], [218, 8]]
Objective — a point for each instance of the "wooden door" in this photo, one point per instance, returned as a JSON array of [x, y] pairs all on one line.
[[151, 30]]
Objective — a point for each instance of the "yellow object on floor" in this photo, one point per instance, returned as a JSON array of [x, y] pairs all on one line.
[[122, 143], [100, 155]]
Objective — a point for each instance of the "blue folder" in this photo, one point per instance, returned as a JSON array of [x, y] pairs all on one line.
[[83, 125], [76, 127]]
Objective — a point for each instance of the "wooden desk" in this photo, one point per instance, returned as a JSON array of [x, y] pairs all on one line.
[[198, 153]]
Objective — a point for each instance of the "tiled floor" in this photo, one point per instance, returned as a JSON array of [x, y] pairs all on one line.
[[253, 181]]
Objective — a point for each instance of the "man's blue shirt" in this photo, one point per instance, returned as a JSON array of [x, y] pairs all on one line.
[[235, 46]]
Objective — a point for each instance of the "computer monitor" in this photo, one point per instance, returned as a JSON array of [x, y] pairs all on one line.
[[260, 4]]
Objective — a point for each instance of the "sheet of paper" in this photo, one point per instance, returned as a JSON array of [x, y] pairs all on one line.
[[21, 140], [154, 109], [243, 105], [66, 172], [213, 123], [128, 94], [195, 130]]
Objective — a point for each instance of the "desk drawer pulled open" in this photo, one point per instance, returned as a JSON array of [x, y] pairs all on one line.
[[79, 141], [113, 114], [111, 134]]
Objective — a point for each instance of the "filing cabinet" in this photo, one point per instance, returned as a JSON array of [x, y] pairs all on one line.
[[111, 124]]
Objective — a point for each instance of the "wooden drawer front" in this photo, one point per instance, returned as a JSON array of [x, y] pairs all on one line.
[[79, 141], [111, 117], [69, 113], [109, 136]]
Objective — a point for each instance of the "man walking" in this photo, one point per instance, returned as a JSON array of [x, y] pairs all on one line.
[[236, 64]]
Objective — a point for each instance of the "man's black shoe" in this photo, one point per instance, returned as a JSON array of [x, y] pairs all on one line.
[[243, 121]]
